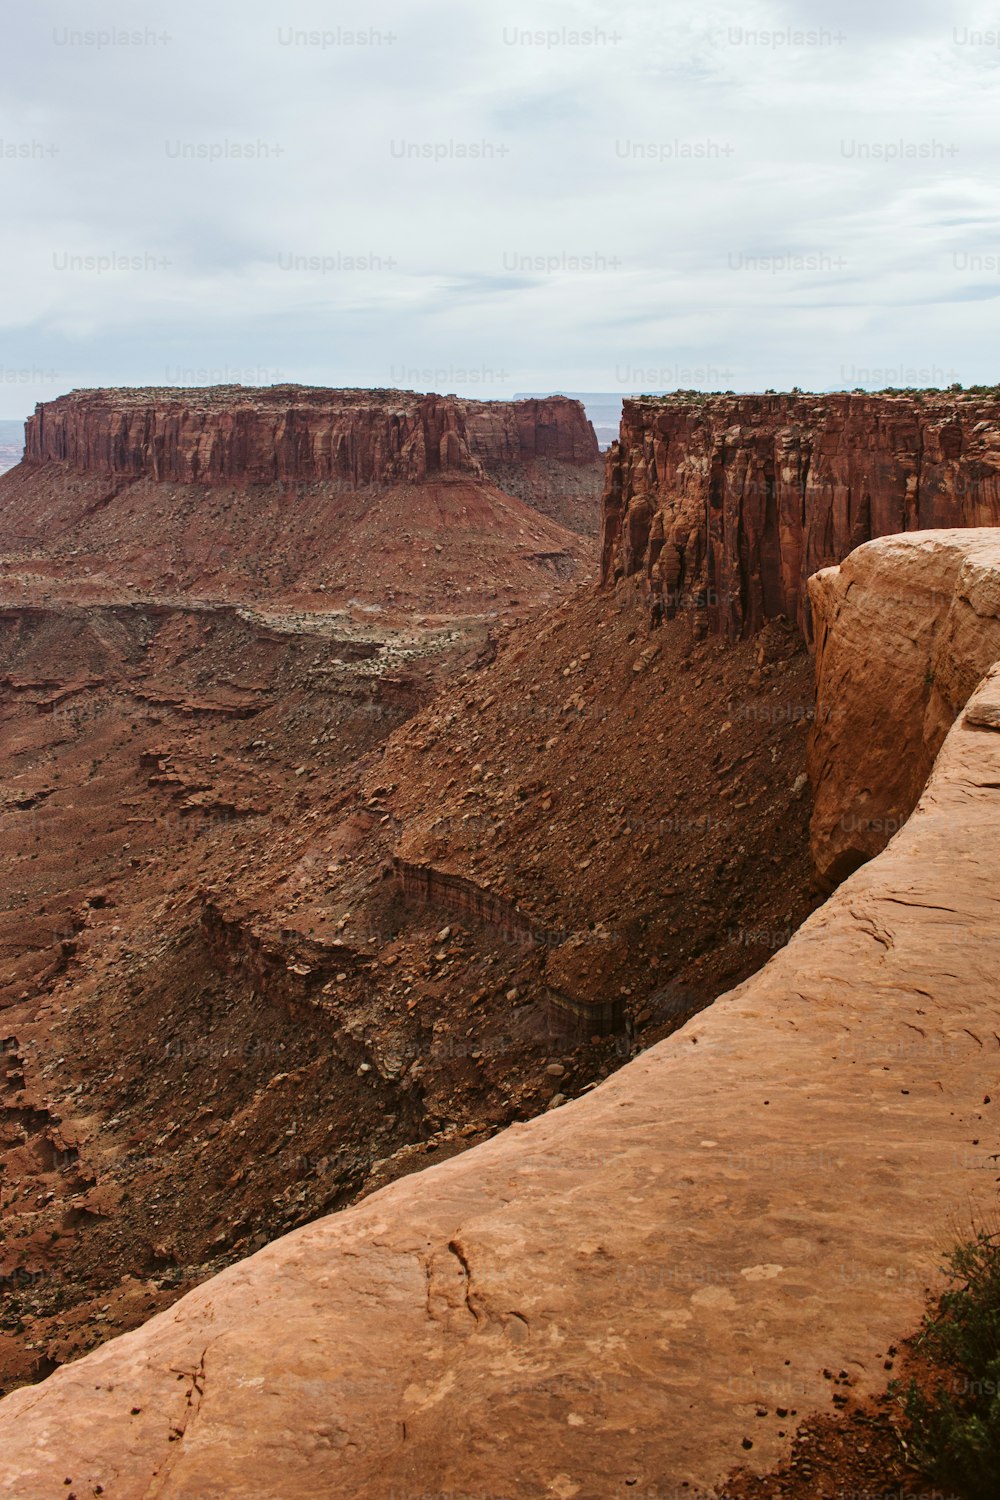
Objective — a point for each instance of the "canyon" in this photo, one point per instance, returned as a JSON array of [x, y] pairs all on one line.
[[355, 822], [564, 1291], [211, 804]]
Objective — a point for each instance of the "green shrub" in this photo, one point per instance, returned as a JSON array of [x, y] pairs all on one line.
[[955, 1420]]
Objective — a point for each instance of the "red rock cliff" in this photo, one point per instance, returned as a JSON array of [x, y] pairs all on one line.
[[553, 427], [732, 502], [221, 433]]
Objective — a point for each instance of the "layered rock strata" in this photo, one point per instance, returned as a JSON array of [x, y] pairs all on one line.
[[384, 500], [300, 434], [580, 968], [464, 897], [634, 1292], [725, 505]]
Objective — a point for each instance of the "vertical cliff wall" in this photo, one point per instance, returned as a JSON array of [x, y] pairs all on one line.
[[727, 504], [298, 433]]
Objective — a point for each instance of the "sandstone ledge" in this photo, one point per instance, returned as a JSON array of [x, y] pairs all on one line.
[[905, 629], [598, 1303]]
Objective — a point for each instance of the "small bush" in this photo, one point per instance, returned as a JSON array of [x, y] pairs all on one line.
[[955, 1419]]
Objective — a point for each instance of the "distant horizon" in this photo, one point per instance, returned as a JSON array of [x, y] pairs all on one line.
[[584, 396]]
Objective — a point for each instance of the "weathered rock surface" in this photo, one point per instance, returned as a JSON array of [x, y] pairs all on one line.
[[543, 451], [636, 1291], [729, 503], [299, 433], [905, 629], [550, 427]]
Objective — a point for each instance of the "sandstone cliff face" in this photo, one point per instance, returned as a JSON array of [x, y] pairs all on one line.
[[905, 629], [628, 1290], [728, 503], [399, 501], [552, 427], [298, 433]]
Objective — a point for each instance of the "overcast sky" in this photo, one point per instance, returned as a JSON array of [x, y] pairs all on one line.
[[645, 195]]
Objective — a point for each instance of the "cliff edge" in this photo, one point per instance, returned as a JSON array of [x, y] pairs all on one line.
[[727, 504], [215, 434], [638, 1290]]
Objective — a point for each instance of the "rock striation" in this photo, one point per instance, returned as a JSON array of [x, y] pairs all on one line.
[[463, 897], [636, 1291], [727, 504], [581, 969], [299, 433]]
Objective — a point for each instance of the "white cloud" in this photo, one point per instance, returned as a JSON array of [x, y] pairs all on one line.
[[696, 147]]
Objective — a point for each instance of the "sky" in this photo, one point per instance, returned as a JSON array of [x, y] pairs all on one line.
[[489, 199]]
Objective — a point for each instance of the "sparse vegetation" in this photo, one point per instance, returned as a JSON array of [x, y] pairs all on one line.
[[954, 1417]]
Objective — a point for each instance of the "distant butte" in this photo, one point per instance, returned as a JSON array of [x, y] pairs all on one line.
[[306, 497], [301, 433]]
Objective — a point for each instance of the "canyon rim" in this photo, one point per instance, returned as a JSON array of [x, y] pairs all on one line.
[[454, 975]]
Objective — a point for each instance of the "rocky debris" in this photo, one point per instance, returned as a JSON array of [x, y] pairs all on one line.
[[198, 917], [914, 621], [442, 554], [583, 976], [723, 506], [610, 808], [683, 1258]]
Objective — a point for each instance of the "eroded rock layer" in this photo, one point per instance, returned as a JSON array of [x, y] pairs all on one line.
[[634, 1292], [728, 504], [384, 500], [300, 433]]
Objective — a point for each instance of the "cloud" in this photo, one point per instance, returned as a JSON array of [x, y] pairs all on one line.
[[550, 195]]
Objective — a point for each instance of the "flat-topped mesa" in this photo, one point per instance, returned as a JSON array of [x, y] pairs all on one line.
[[727, 504], [299, 433]]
